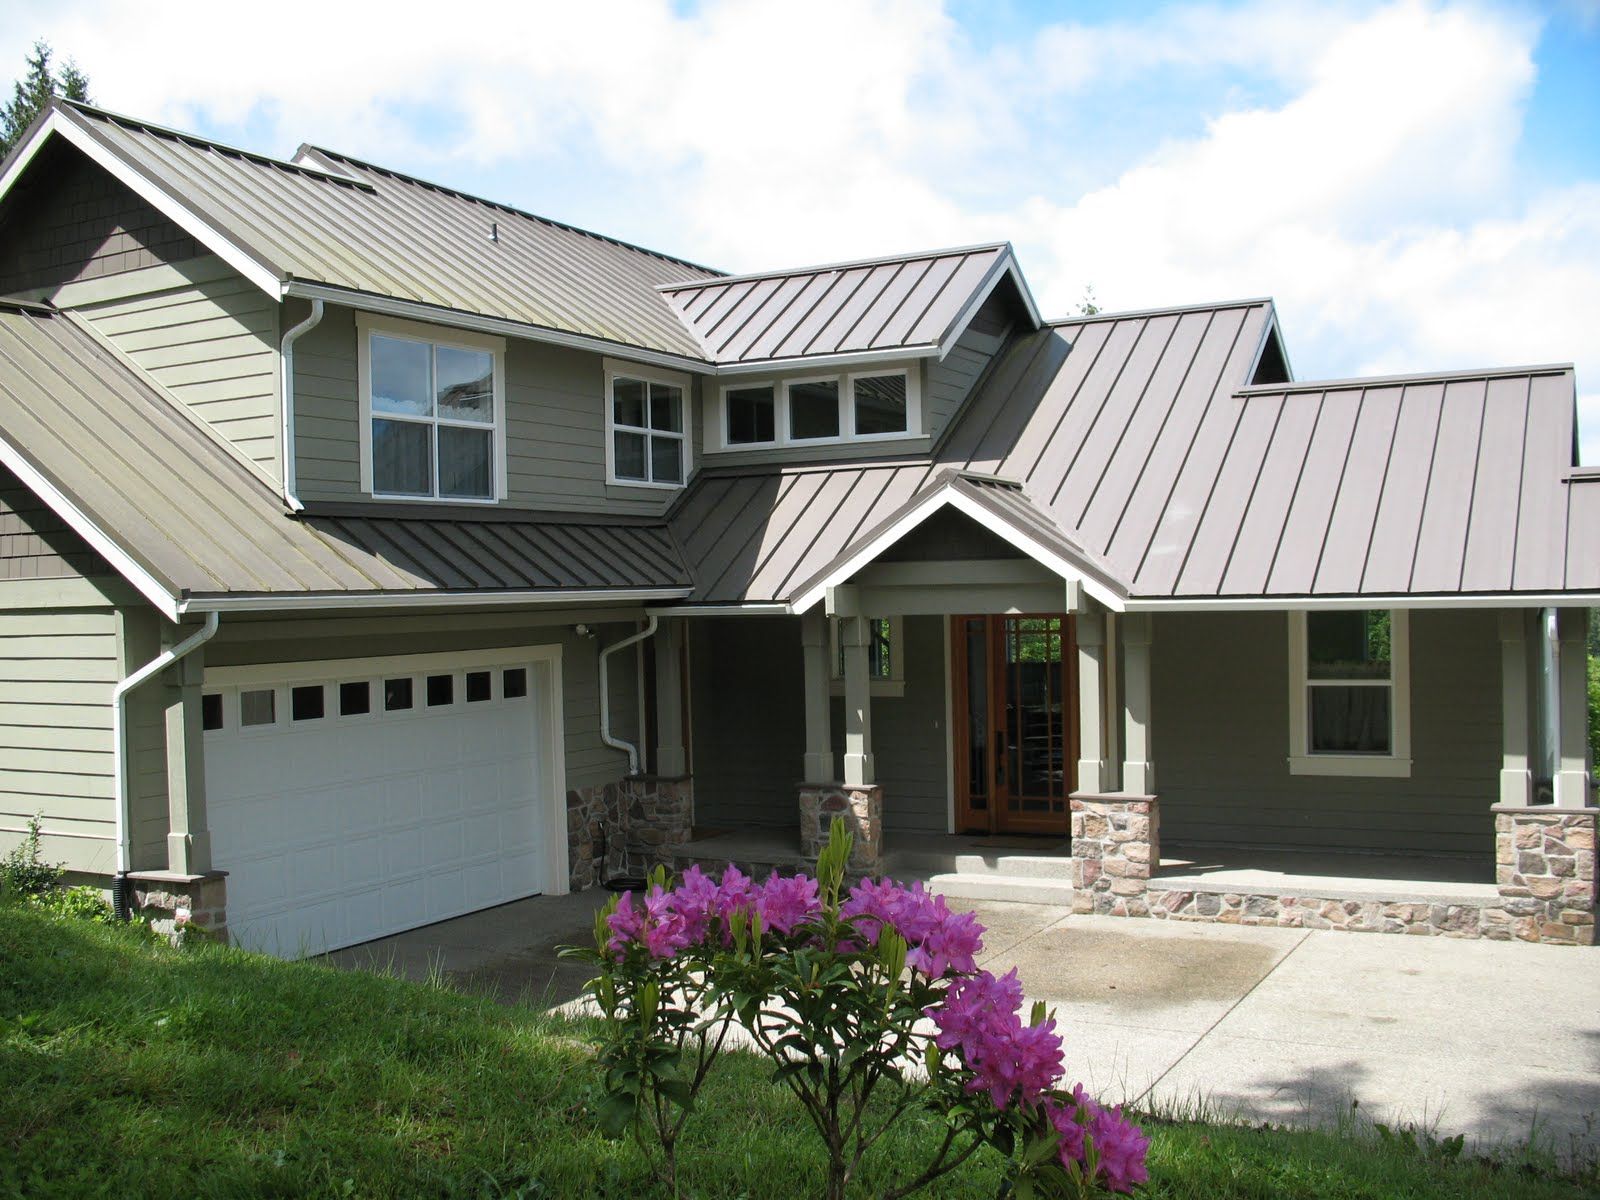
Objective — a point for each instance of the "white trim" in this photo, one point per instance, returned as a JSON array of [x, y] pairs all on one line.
[[717, 441], [843, 360], [452, 318], [1394, 765], [716, 433], [258, 273], [369, 600], [314, 670], [434, 336], [69, 512], [1385, 600], [1006, 265], [616, 369], [762, 608], [913, 405]]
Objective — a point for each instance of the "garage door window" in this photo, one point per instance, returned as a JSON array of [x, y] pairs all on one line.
[[211, 711], [396, 695], [514, 683], [258, 708], [355, 699], [441, 690], [307, 703], [480, 686]]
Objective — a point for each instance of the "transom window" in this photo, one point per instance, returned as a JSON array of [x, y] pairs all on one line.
[[432, 413], [1350, 711], [646, 430], [820, 409]]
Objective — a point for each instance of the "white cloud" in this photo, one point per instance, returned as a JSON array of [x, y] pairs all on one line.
[[1376, 196]]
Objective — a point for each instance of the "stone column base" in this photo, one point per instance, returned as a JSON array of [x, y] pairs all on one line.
[[1545, 870], [625, 828], [1116, 846], [862, 810], [172, 901]]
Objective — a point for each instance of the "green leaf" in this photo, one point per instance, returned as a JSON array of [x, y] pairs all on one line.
[[616, 1113]]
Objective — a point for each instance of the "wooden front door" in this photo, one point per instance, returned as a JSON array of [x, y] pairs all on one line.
[[1015, 721]]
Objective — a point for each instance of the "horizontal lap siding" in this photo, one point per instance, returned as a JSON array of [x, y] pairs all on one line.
[[57, 672], [555, 423], [213, 346], [1221, 740], [589, 760]]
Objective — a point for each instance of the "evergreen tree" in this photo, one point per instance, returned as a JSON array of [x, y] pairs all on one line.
[[32, 92]]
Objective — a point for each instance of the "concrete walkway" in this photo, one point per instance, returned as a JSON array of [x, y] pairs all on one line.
[[1490, 1039]]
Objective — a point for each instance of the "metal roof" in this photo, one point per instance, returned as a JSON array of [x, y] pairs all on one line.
[[1135, 442], [205, 526], [911, 303], [339, 222]]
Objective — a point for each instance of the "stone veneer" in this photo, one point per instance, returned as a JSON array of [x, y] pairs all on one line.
[[1545, 869], [862, 809], [1116, 843], [172, 901], [625, 828]]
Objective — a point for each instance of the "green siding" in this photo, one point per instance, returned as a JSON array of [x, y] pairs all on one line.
[[35, 543], [1221, 741], [951, 380]]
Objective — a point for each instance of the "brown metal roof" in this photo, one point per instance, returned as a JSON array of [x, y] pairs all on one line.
[[204, 524], [1134, 441], [911, 302], [350, 225]]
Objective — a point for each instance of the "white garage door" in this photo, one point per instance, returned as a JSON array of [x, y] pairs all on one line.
[[348, 801]]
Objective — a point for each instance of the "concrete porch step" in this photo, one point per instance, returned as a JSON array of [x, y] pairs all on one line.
[[1018, 889]]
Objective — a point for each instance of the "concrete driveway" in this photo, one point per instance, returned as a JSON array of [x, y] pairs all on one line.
[[1495, 1040]]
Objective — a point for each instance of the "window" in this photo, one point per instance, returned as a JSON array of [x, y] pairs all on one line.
[[826, 409], [258, 707], [514, 683], [396, 695], [1349, 693], [355, 699], [211, 711], [646, 441], [884, 668], [441, 690], [306, 702], [479, 686], [433, 422]]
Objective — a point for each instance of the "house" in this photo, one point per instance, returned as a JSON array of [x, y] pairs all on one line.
[[371, 553]]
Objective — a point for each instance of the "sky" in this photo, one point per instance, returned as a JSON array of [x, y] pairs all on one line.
[[1416, 184]]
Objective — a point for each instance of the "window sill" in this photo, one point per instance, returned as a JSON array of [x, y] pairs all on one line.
[[880, 687], [829, 443], [1374, 765], [387, 498], [646, 483]]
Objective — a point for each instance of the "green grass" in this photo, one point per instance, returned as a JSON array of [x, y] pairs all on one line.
[[133, 1069]]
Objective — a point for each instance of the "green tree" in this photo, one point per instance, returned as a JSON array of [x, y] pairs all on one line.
[[33, 91], [1088, 306], [1594, 683]]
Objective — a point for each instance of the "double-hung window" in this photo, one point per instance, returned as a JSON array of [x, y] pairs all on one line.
[[432, 412], [820, 409], [1349, 698], [647, 443]]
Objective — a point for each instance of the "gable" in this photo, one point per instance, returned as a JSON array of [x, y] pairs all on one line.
[[950, 536], [67, 221], [37, 544]]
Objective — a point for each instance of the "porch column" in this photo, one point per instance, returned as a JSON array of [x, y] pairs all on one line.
[[1516, 771], [1091, 631], [1138, 767], [856, 637], [819, 765], [1572, 732], [188, 840], [672, 760]]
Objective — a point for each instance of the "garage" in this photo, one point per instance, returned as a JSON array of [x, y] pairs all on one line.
[[351, 800]]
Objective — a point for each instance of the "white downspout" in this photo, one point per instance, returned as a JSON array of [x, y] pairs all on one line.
[[605, 694], [1551, 733], [286, 399], [119, 747]]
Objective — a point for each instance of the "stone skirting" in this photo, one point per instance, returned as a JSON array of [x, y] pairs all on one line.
[[1545, 870], [172, 902], [1439, 918], [625, 828], [862, 809], [1116, 845]]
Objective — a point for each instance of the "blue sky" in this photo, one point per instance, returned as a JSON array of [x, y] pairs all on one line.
[[1418, 184]]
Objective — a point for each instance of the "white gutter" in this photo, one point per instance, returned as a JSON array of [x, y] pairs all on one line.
[[286, 395], [605, 694], [319, 601], [119, 735]]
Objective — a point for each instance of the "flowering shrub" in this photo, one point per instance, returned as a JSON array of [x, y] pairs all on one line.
[[870, 1005]]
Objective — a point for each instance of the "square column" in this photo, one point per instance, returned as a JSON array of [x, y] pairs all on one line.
[[819, 766], [188, 839], [1138, 767], [1572, 732], [672, 759], [1516, 769], [1092, 749], [856, 637]]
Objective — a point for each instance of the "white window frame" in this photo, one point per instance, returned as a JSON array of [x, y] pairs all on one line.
[[894, 684], [616, 369], [1394, 765], [718, 443], [368, 324]]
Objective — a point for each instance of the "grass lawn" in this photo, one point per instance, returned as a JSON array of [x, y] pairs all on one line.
[[133, 1069]]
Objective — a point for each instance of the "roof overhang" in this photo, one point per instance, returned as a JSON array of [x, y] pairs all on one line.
[[962, 494], [1436, 600], [464, 598]]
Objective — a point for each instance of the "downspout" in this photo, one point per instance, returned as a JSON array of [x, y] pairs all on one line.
[[119, 749], [1550, 735], [286, 395], [605, 694]]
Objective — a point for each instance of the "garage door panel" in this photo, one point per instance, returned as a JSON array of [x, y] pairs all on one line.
[[339, 830]]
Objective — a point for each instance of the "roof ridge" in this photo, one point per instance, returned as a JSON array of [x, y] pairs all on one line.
[[1127, 314], [1362, 381], [817, 269], [446, 189]]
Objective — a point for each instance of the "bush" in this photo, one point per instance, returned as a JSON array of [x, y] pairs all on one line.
[[1594, 707], [23, 874], [79, 903]]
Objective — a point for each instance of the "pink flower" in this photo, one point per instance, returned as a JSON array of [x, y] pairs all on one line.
[[737, 890], [951, 945], [787, 902], [626, 924], [656, 926], [1011, 1061], [696, 900], [940, 941], [1120, 1146]]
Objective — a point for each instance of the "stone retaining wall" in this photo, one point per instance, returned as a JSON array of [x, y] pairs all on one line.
[[1417, 917], [1116, 844], [625, 828], [862, 809], [172, 902], [1545, 869]]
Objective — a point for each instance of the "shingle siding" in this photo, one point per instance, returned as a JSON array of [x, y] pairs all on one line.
[[35, 543]]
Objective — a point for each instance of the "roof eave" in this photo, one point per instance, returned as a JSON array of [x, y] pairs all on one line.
[[441, 598]]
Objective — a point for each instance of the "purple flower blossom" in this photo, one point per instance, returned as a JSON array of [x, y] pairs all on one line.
[[1011, 1061], [737, 890], [656, 925], [951, 945], [787, 902], [1120, 1146], [696, 900], [940, 941]]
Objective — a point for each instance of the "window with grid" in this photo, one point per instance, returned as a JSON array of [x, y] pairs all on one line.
[[647, 420]]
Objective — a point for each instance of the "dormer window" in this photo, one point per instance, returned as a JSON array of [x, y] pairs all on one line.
[[647, 443], [820, 409], [432, 413]]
